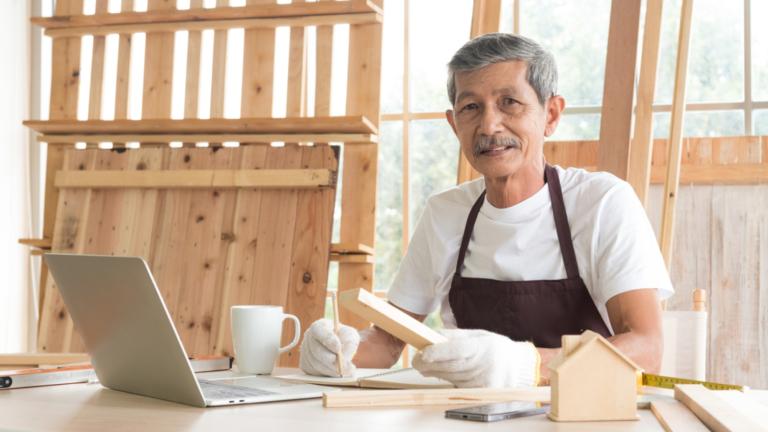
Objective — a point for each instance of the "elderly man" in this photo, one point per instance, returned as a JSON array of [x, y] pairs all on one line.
[[526, 254]]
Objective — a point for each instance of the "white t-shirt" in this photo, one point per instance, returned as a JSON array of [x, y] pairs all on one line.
[[615, 246]]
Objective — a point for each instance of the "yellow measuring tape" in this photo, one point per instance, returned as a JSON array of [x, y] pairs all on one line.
[[644, 379]]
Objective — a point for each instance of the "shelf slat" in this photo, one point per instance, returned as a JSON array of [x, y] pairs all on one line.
[[194, 138], [286, 126], [272, 11]]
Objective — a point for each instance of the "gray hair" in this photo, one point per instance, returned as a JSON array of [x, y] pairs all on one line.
[[501, 47]]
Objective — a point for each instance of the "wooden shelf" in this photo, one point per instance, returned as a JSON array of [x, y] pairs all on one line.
[[195, 179], [43, 243], [353, 258], [267, 15], [279, 126], [211, 138]]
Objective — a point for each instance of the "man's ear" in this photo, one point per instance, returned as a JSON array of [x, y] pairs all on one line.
[[451, 120], [554, 108]]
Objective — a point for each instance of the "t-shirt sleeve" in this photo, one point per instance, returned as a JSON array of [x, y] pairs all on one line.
[[414, 286], [627, 253]]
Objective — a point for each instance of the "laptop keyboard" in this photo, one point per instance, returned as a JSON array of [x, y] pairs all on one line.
[[228, 391]]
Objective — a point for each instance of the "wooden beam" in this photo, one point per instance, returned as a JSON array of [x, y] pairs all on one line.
[[618, 91], [716, 413], [426, 397], [283, 11], [676, 417], [639, 171], [389, 318], [306, 125], [675, 144], [165, 179], [193, 138], [250, 23]]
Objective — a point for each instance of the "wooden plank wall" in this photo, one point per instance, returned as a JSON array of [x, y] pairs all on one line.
[[720, 243], [209, 249]]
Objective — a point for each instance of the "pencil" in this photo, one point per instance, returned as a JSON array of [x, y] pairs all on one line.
[[336, 326]]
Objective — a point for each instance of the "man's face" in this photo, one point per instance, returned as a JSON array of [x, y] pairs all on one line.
[[498, 119]]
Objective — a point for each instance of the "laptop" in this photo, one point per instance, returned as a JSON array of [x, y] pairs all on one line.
[[120, 315]]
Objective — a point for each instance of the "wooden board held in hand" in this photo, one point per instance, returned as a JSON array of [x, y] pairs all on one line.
[[389, 318]]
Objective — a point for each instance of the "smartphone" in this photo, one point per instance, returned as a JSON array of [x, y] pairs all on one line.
[[496, 411]]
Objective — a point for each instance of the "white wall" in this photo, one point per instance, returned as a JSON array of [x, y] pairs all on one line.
[[14, 179]]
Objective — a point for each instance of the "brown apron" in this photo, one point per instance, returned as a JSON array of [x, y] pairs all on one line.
[[539, 311]]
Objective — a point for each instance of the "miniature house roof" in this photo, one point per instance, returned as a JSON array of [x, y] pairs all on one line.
[[575, 346]]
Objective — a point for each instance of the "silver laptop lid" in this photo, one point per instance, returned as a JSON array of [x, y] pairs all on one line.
[[119, 312]]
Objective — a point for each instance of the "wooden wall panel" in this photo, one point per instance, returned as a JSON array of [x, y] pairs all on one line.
[[723, 248]]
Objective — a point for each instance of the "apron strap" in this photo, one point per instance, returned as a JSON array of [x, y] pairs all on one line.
[[561, 221], [468, 232]]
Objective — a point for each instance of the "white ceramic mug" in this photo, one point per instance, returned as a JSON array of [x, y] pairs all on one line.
[[256, 333]]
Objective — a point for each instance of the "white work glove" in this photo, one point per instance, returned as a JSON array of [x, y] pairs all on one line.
[[479, 358], [320, 345]]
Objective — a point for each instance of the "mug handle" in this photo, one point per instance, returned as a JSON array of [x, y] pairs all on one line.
[[296, 333]]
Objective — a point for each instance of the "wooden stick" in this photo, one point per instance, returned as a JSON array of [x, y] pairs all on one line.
[[424, 397], [391, 319], [261, 178], [336, 327], [714, 412], [675, 144]]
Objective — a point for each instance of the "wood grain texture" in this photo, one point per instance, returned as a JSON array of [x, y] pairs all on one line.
[[618, 97], [716, 413], [358, 200], [675, 417]]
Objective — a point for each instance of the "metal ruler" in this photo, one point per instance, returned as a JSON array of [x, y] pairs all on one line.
[[669, 382]]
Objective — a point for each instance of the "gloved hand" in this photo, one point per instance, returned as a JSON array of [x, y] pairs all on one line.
[[320, 345], [479, 358]]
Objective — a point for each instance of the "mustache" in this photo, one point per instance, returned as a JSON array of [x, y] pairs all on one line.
[[484, 143]]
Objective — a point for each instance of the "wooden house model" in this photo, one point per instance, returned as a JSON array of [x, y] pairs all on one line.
[[592, 380]]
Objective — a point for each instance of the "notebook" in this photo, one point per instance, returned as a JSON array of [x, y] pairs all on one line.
[[408, 378]]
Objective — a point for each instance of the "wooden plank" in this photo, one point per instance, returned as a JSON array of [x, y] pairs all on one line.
[[675, 417], [38, 243], [158, 68], [717, 414], [97, 68], [199, 178], [308, 281], [428, 397], [739, 292], [156, 12], [353, 258], [237, 280], [70, 223], [351, 248], [65, 80], [676, 132], [192, 83], [358, 200], [639, 170], [193, 138], [123, 68], [618, 93], [389, 318], [258, 70], [219, 63], [323, 68], [36, 358], [336, 124]]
